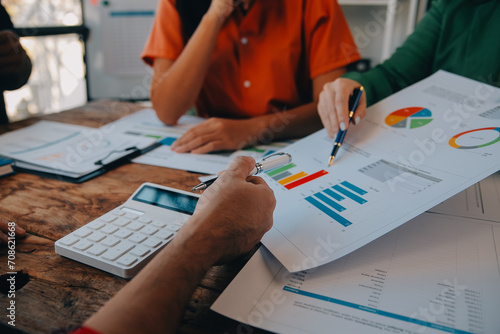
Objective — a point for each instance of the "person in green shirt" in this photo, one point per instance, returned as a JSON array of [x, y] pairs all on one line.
[[458, 36]]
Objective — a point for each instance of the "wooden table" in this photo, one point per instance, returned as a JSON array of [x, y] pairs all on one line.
[[55, 293]]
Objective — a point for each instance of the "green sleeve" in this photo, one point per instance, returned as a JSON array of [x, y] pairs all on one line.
[[410, 63]]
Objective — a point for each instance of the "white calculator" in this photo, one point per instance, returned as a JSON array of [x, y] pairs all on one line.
[[123, 240]]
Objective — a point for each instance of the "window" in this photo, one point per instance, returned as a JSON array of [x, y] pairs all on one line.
[[52, 33]]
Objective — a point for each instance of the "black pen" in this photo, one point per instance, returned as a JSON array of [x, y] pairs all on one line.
[[353, 105]]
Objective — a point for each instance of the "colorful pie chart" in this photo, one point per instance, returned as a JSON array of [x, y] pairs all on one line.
[[409, 118], [475, 138]]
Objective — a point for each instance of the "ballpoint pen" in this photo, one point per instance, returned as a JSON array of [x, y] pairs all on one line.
[[353, 105], [272, 161]]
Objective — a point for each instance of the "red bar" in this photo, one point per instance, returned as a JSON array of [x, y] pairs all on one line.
[[306, 179]]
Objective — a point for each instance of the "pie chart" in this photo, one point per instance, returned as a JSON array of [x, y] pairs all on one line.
[[475, 138], [409, 118]]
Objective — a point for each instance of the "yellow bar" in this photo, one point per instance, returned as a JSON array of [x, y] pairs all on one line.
[[292, 178]]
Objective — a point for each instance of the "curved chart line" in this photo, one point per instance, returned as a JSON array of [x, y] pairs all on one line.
[[453, 140]]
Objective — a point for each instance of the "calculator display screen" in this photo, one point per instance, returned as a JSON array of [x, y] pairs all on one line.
[[167, 199]]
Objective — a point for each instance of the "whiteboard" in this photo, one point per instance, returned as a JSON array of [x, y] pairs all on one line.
[[119, 30]]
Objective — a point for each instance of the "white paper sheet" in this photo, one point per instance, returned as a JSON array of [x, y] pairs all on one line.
[[126, 25], [481, 201], [414, 150], [70, 149], [145, 123], [433, 274]]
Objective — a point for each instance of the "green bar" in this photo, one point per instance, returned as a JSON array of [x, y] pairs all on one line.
[[281, 169], [255, 149]]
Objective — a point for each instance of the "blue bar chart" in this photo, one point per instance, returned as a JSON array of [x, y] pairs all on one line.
[[331, 201]]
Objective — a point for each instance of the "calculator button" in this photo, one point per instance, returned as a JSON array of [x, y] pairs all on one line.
[[108, 218], [97, 250], [82, 245], [96, 224], [152, 242], [159, 224], [135, 226], [121, 222], [140, 251], [184, 219], [69, 240], [117, 251], [109, 229], [131, 216], [118, 212], [110, 241], [82, 232], [149, 230], [137, 238], [173, 228], [127, 260], [96, 237], [165, 235], [124, 234], [145, 219]]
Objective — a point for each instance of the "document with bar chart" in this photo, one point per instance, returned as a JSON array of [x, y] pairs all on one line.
[[145, 124], [414, 150], [434, 274]]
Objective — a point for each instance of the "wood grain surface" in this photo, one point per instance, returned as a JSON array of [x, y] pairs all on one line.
[[55, 294]]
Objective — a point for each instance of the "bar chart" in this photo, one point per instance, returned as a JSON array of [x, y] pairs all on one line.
[[290, 179], [334, 200]]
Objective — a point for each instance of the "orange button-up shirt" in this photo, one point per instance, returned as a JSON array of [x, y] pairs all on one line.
[[265, 60]]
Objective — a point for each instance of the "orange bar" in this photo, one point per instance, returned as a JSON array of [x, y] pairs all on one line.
[[306, 179], [292, 178]]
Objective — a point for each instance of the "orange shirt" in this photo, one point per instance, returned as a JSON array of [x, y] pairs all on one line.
[[264, 60]]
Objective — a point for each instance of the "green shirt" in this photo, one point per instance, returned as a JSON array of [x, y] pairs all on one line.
[[458, 36]]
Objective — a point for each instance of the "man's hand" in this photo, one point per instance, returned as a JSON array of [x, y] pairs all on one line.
[[216, 134], [224, 8], [233, 214], [230, 218], [5, 229], [15, 65], [333, 106]]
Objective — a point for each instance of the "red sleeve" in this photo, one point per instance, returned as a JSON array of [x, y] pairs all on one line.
[[165, 40], [85, 330], [329, 41]]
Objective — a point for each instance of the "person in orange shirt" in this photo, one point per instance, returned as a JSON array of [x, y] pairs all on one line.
[[255, 67]]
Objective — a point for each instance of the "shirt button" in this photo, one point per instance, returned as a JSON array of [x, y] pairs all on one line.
[[244, 40], [246, 83]]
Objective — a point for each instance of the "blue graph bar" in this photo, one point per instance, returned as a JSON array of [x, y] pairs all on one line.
[[333, 194], [133, 13], [330, 202], [168, 141], [351, 186], [328, 211], [376, 311], [349, 194]]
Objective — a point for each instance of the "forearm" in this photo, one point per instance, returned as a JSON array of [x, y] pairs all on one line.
[[12, 81], [293, 123], [175, 90], [154, 301], [410, 63]]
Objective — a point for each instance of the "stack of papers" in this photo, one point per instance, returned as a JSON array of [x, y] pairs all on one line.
[[145, 123], [339, 259], [68, 151]]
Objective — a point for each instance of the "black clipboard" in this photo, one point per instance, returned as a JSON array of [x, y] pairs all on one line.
[[105, 167]]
